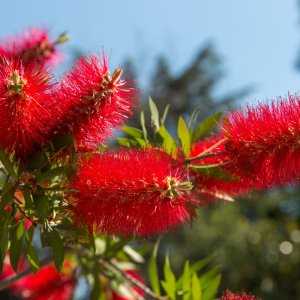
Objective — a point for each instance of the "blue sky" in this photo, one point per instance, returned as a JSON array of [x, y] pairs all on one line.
[[258, 39]]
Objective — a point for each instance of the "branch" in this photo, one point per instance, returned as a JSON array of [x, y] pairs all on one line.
[[133, 281], [204, 156]]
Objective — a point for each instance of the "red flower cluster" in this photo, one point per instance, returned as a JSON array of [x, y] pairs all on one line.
[[25, 103], [228, 295], [90, 102], [263, 142], [131, 192], [33, 43], [93, 101], [47, 283]]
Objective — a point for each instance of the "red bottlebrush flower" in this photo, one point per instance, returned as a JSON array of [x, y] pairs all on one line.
[[25, 105], [135, 291], [47, 283], [93, 101], [35, 43], [131, 192], [228, 295], [212, 183], [263, 142]]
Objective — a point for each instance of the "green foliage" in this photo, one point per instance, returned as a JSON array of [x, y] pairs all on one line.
[[190, 285]]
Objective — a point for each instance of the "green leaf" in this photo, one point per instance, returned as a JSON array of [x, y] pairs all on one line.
[[96, 288], [196, 288], [41, 205], [154, 115], [31, 253], [200, 264], [7, 163], [217, 173], [16, 238], [7, 194], [134, 255], [184, 137], [58, 250], [211, 288], [3, 237], [206, 126], [142, 120], [153, 270], [186, 281], [169, 289], [47, 176], [141, 142], [208, 276], [168, 142], [28, 199], [168, 273], [126, 142], [134, 132], [165, 114]]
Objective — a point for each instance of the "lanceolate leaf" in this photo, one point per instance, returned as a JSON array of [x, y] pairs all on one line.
[[134, 132], [168, 142], [58, 250], [206, 126], [16, 237], [184, 137], [7, 163], [154, 115], [153, 271]]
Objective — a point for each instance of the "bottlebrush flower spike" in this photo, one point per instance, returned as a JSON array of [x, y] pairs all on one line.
[[264, 141], [47, 283], [24, 104], [94, 101], [226, 183], [35, 43], [131, 192], [228, 295]]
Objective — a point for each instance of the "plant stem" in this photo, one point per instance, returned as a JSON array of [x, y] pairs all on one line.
[[133, 281]]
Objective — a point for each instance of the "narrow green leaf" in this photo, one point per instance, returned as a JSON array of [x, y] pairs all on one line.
[[184, 137], [28, 199], [154, 115], [168, 142], [196, 288], [47, 176], [169, 289], [16, 238], [7, 163], [58, 250], [211, 289], [153, 270], [96, 288], [218, 173], [7, 194], [141, 142], [126, 142], [168, 273], [208, 276], [31, 253], [165, 114], [143, 124], [134, 132], [206, 126], [186, 281], [41, 205]]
